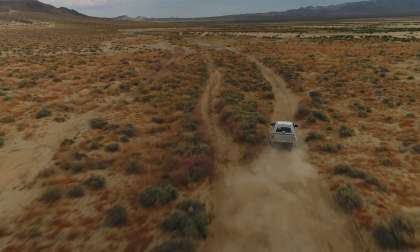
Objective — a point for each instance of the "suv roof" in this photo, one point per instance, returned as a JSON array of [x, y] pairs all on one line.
[[284, 123]]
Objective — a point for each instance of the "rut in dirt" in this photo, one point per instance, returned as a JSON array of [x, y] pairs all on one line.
[[276, 203]]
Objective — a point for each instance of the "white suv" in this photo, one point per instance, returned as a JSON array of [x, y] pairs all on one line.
[[283, 133]]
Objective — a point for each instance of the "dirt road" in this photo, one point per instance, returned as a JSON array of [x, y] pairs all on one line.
[[276, 203]]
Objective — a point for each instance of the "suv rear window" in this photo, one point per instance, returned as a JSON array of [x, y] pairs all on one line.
[[284, 129]]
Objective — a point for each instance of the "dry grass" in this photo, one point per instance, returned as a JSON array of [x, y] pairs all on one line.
[[118, 85], [245, 102]]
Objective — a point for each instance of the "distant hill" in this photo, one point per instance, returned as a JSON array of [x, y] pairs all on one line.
[[127, 18], [361, 9], [34, 8]]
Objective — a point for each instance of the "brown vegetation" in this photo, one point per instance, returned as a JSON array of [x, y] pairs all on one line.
[[139, 128]]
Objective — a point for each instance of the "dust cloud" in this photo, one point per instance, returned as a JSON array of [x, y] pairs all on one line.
[[277, 203]]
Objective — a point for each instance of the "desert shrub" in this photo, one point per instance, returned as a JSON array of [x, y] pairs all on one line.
[[129, 131], [67, 142], [112, 147], [78, 155], [191, 205], [179, 176], [181, 223], [157, 119], [98, 123], [200, 171], [134, 167], [47, 172], [95, 182], [152, 196], [149, 197], [190, 219], [410, 115], [116, 216], [112, 126], [302, 112], [371, 180], [329, 148], [351, 172], [344, 169], [348, 198], [125, 87], [189, 123], [313, 136], [386, 162], [313, 94], [191, 148], [190, 145], [94, 145], [97, 164], [124, 139], [310, 119], [189, 169], [315, 98], [345, 132], [186, 106], [1, 141], [7, 119], [176, 245], [411, 98], [74, 167], [168, 193], [318, 115], [201, 223], [268, 96], [416, 148], [44, 112], [362, 111], [75, 192], [156, 130], [177, 221], [51, 195], [391, 102], [398, 233]]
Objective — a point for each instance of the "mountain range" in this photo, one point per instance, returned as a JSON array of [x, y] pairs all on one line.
[[361, 9], [35, 9], [127, 18]]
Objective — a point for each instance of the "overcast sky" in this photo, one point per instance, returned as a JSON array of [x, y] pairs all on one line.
[[182, 8]]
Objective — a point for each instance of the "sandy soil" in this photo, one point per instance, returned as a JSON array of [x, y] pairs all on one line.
[[20, 25], [288, 35], [276, 203], [23, 159]]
